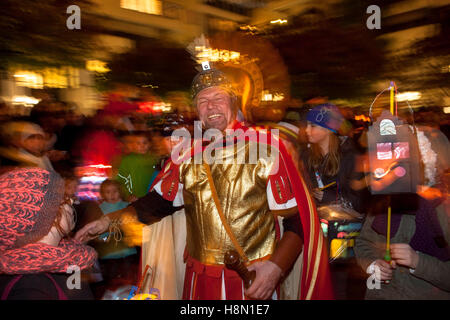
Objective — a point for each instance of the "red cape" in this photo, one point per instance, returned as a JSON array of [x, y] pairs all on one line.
[[316, 279]]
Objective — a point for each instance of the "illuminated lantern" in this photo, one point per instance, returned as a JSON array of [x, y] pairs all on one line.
[[393, 156]]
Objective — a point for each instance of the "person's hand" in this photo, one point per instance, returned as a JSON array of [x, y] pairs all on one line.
[[93, 230], [385, 269], [402, 254], [267, 276], [318, 194], [56, 155], [132, 198]]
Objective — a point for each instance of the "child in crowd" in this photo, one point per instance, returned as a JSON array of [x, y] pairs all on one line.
[[119, 262], [71, 185], [110, 193], [136, 169], [134, 143]]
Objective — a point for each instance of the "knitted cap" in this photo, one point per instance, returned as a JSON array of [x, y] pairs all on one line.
[[29, 201], [327, 116]]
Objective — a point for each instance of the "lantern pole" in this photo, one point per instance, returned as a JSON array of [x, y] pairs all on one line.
[[387, 256]]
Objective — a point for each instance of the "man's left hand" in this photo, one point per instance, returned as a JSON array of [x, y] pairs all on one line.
[[267, 276], [402, 254]]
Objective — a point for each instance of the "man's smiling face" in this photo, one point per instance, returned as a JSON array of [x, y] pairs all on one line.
[[215, 108]]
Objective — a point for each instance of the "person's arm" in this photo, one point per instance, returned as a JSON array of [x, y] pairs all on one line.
[[424, 266], [369, 245], [369, 249], [287, 251], [346, 178], [149, 209], [290, 244], [152, 208], [433, 270], [270, 272]]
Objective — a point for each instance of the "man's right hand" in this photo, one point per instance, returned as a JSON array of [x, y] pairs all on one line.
[[93, 230], [385, 269]]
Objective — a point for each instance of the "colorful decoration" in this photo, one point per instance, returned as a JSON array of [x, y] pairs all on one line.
[[135, 294]]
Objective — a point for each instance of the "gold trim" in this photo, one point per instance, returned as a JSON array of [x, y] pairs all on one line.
[[316, 269], [311, 221]]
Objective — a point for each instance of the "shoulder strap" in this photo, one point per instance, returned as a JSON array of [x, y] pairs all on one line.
[[222, 216]]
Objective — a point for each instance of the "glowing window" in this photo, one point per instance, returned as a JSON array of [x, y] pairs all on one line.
[[384, 151], [64, 77], [401, 150], [387, 128]]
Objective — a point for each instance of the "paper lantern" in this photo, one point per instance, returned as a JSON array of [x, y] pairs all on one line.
[[393, 156]]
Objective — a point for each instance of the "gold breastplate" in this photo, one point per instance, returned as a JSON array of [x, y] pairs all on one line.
[[241, 189]]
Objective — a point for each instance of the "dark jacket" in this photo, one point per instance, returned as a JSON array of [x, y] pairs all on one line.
[[430, 279], [346, 173], [40, 287]]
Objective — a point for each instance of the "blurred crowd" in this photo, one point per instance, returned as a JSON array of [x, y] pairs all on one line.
[[110, 159]]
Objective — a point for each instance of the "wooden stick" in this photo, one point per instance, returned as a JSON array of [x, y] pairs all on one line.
[[142, 279], [391, 100], [328, 185], [388, 235], [387, 257]]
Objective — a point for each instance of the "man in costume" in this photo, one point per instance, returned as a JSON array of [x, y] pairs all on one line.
[[231, 206]]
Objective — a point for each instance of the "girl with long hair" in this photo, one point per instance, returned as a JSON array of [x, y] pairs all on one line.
[[330, 159], [330, 164]]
